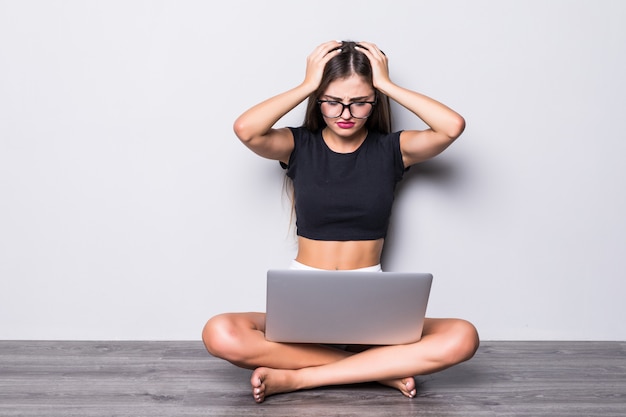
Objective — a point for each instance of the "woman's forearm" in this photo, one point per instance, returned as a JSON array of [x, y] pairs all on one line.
[[259, 119], [440, 118]]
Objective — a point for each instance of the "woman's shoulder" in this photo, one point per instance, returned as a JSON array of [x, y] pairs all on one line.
[[303, 137], [387, 146], [305, 142], [382, 139], [301, 132], [384, 135]]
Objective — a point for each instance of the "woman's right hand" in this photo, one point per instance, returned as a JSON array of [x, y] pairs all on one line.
[[317, 60]]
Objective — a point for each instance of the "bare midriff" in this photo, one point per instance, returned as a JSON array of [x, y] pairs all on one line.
[[336, 255]]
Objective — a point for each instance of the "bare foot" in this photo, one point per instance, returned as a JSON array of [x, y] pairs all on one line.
[[405, 385], [267, 381]]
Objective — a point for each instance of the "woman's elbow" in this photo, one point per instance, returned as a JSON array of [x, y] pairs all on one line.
[[239, 127], [456, 127]]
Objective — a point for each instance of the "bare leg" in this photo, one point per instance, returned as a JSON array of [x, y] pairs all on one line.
[[239, 338], [406, 386], [445, 342]]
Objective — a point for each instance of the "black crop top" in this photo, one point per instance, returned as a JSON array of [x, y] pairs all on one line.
[[344, 196]]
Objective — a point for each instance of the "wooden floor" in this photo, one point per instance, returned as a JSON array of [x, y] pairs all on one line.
[[180, 379]]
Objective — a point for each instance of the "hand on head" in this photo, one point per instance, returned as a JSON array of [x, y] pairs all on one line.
[[318, 59], [378, 61], [320, 56]]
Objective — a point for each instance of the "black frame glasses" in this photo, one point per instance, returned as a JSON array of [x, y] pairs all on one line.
[[349, 106]]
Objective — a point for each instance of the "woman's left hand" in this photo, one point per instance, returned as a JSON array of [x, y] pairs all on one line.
[[378, 61]]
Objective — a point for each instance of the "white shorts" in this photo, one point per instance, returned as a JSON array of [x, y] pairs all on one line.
[[302, 267]]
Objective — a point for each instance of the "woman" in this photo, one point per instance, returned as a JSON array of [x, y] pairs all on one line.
[[344, 163]]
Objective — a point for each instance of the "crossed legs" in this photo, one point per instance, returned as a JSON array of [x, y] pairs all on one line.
[[281, 367]]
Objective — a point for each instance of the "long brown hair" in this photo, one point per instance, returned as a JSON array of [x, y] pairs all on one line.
[[349, 62]]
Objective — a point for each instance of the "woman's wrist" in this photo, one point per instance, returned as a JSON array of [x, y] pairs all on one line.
[[307, 88], [387, 88]]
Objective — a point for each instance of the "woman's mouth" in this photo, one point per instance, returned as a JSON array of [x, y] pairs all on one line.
[[345, 125]]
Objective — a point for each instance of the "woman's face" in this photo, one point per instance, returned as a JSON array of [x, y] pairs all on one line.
[[354, 91]]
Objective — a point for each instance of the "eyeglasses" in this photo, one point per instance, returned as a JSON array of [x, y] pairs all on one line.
[[358, 109]]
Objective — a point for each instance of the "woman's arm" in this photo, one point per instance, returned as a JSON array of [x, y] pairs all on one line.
[[445, 125], [255, 126]]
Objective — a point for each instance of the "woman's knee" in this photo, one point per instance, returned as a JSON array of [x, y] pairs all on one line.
[[220, 336], [463, 342]]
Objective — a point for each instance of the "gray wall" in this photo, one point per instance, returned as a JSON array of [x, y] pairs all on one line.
[[129, 210]]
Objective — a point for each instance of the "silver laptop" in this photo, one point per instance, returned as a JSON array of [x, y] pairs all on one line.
[[346, 307]]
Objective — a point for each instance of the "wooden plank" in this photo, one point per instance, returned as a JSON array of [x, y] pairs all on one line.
[[56, 378]]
